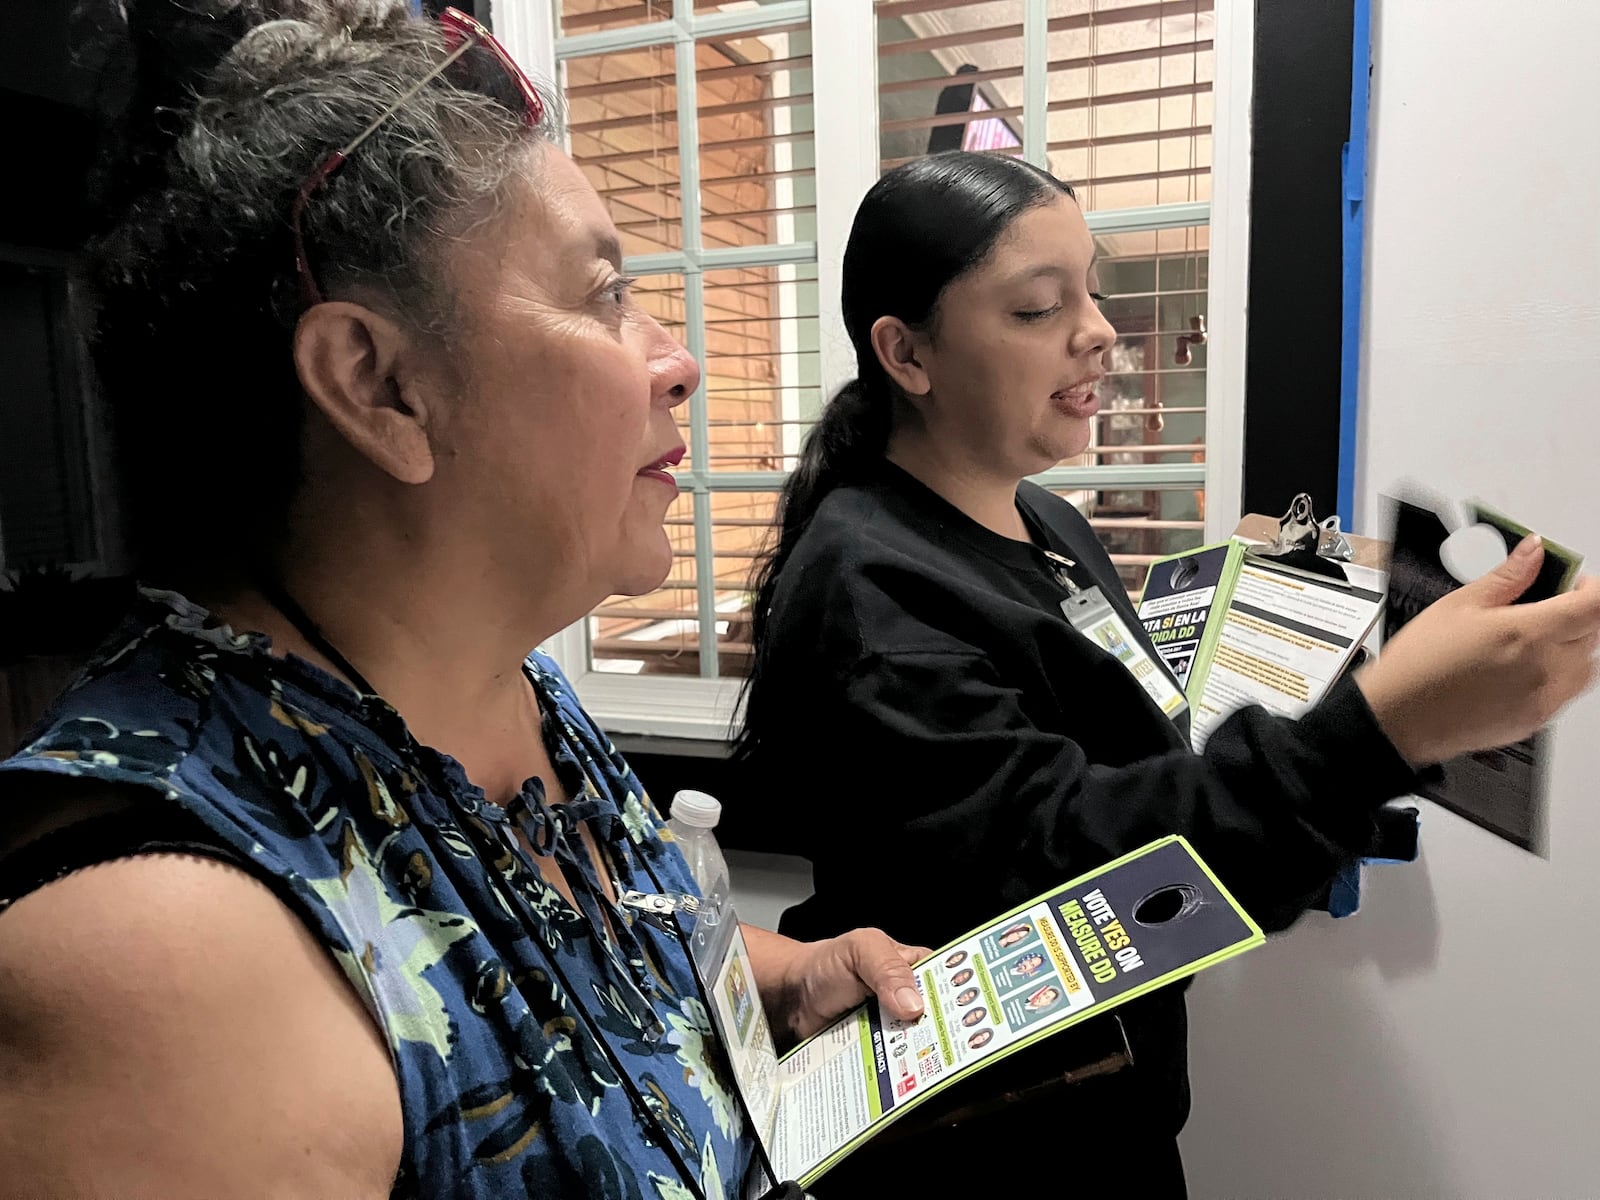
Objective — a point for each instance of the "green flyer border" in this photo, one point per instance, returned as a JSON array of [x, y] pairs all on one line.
[[1573, 561], [1207, 649]]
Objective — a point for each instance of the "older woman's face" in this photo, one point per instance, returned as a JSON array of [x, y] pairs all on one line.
[[570, 392]]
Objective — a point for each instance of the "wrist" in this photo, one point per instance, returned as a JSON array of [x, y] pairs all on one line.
[[1394, 711], [775, 961]]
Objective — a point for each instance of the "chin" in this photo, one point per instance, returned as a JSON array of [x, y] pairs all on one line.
[[645, 565], [1051, 452]]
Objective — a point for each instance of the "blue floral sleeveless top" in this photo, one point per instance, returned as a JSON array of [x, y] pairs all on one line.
[[535, 1054]]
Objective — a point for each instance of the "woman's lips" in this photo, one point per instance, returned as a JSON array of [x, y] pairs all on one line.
[[659, 470], [1079, 402]]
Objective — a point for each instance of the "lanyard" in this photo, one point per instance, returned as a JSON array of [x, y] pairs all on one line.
[[660, 908]]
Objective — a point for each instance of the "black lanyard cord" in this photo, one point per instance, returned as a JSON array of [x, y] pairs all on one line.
[[286, 604]]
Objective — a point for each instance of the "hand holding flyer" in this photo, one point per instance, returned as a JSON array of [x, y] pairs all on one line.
[[1148, 919]]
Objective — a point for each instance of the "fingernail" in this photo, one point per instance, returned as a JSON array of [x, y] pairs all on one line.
[[1527, 546], [909, 999]]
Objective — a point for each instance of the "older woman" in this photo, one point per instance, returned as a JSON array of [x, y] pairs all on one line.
[[312, 881]]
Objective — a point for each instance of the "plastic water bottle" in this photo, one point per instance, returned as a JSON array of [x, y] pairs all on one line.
[[694, 816]]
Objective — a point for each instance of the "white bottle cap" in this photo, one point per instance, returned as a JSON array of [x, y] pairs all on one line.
[[696, 809]]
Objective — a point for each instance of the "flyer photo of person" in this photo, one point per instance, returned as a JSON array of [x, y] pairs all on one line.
[[980, 1039], [967, 997], [1009, 939], [1046, 997], [1028, 970], [955, 960], [1043, 998], [1028, 965], [976, 1017], [962, 977]]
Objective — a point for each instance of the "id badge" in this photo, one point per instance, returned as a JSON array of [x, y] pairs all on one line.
[[1091, 614], [728, 989]]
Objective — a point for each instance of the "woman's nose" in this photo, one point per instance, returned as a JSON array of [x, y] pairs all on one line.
[[1093, 335], [674, 375]]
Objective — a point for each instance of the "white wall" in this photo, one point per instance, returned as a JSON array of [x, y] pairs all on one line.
[[1446, 1041]]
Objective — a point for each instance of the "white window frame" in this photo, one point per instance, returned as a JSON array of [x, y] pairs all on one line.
[[845, 105]]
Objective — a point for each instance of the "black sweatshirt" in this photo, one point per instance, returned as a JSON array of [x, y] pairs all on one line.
[[951, 746]]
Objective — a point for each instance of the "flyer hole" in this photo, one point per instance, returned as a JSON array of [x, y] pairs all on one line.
[[1184, 572], [1473, 552], [1167, 904]]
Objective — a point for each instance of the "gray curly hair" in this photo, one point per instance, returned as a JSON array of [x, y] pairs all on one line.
[[229, 106]]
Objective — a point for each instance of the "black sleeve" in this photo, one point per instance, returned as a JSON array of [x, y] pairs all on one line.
[[1275, 806], [142, 826]]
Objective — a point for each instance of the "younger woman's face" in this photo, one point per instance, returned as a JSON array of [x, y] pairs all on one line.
[[1018, 348]]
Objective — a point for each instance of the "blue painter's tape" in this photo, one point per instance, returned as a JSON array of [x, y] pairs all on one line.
[[1399, 840], [1398, 831], [1353, 192]]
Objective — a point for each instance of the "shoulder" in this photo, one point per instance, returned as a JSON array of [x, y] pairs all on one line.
[[858, 543], [873, 575], [136, 996], [1052, 510]]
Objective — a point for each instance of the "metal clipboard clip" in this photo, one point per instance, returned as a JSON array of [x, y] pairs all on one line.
[[1305, 546]]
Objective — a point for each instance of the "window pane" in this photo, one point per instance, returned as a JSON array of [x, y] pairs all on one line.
[[623, 120], [1137, 526], [762, 368], [658, 633], [741, 523], [590, 16], [757, 151], [1130, 100], [1153, 400], [949, 78]]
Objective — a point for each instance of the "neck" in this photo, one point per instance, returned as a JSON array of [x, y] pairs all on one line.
[[445, 651], [988, 499]]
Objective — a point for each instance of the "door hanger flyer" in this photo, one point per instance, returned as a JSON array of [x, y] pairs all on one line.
[[1148, 919]]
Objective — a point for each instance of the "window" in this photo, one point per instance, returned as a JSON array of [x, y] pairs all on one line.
[[696, 120]]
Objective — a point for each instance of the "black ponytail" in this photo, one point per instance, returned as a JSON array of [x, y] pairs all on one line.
[[848, 440], [920, 227]]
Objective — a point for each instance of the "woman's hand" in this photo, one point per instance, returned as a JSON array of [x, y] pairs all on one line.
[[805, 985], [1475, 670]]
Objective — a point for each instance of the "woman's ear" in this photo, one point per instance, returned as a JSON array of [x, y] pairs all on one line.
[[351, 363], [898, 347]]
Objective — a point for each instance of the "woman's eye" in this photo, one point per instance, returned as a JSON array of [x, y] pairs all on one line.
[[1037, 314], [617, 290], [1098, 298]]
